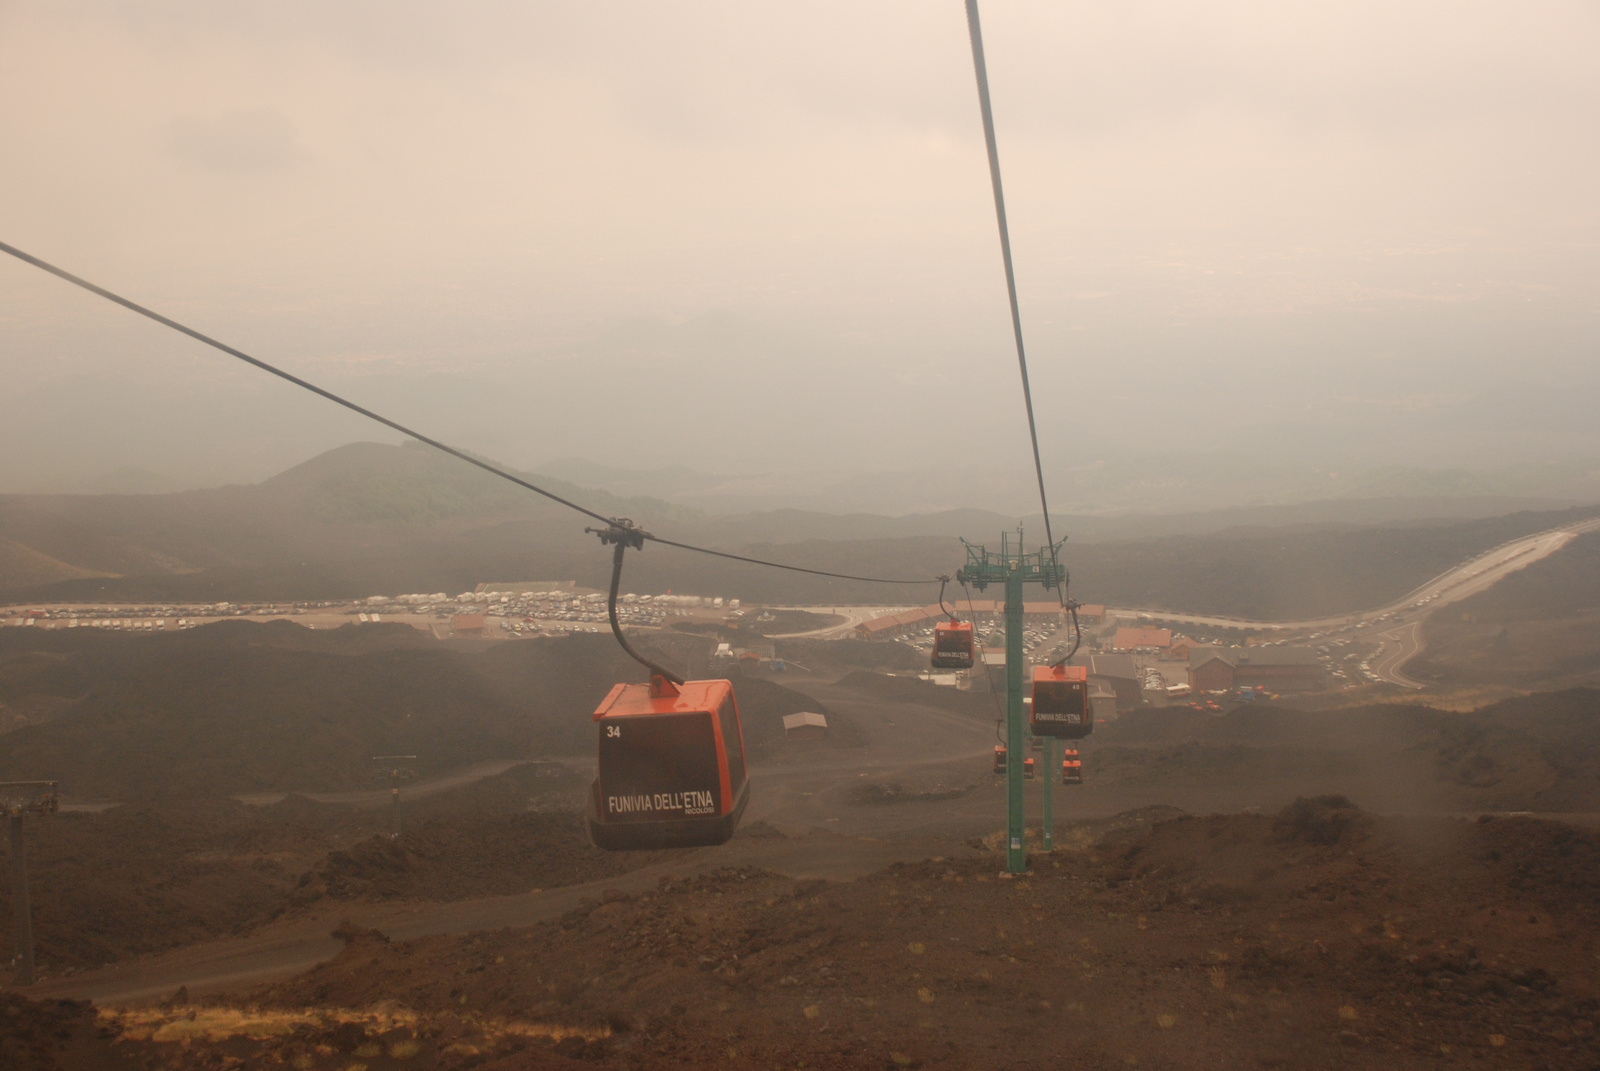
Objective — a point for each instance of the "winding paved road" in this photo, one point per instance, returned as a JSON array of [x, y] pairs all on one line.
[[1466, 579], [1400, 637]]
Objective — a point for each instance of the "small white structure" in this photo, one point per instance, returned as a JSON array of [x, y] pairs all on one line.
[[804, 725]]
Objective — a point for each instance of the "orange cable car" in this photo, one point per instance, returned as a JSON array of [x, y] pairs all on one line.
[[1027, 768], [1061, 702], [999, 758], [952, 645], [671, 753], [1071, 767], [952, 640], [672, 767]]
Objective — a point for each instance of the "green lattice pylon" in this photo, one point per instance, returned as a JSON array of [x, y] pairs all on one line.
[[1014, 567]]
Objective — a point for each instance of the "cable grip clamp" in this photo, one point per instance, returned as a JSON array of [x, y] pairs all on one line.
[[622, 531]]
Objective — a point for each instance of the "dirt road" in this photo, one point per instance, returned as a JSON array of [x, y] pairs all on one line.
[[411, 790]]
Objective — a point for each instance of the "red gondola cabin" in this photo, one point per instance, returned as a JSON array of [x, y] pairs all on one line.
[[1027, 768], [1071, 767], [1061, 702], [952, 645], [672, 771], [999, 759]]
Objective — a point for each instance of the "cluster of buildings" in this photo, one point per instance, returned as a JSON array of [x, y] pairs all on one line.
[[526, 608], [1213, 668], [142, 617]]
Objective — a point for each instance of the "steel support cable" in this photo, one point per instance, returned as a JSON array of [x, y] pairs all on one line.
[[296, 380], [943, 580], [621, 537], [461, 455], [988, 681], [781, 565], [975, 32]]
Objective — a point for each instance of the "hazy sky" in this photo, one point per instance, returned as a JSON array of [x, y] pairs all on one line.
[[759, 237]]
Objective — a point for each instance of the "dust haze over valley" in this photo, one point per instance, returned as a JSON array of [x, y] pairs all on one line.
[[1280, 245], [1309, 300]]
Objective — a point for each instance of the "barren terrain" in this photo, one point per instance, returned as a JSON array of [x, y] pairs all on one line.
[[1318, 936], [1213, 897], [1538, 628]]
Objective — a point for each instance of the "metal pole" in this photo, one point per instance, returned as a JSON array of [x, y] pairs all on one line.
[[1016, 857], [20, 906], [1052, 770], [395, 770]]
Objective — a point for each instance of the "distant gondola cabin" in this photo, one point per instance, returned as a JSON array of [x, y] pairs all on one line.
[[952, 645], [1061, 702]]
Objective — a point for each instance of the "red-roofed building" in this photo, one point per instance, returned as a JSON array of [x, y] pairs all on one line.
[[1142, 639], [1184, 649], [1283, 669]]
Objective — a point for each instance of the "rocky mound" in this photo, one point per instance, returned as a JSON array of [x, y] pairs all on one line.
[[147, 877], [451, 859], [55, 1035]]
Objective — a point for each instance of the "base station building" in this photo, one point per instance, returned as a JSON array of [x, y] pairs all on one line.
[[1278, 669]]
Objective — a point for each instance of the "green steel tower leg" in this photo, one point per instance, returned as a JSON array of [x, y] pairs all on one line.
[[1052, 770], [1016, 857], [1013, 568]]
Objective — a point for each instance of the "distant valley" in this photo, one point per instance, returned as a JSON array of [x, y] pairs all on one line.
[[369, 518]]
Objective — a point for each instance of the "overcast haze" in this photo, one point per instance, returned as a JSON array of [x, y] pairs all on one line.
[[758, 238]]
